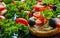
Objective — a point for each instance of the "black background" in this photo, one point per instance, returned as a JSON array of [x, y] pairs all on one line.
[[54, 36]]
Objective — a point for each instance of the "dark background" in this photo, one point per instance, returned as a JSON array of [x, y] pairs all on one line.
[[54, 36]]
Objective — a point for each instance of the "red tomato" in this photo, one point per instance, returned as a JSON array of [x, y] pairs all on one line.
[[50, 6], [21, 20], [40, 8], [57, 21], [39, 0], [36, 8], [2, 8], [37, 15], [58, 25], [40, 21], [2, 17]]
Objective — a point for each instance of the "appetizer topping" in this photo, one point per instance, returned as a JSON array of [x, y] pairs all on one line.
[[31, 21], [42, 21], [2, 17], [50, 6], [54, 7], [2, 8], [39, 0], [3, 12], [21, 20], [39, 22], [37, 14], [52, 22], [57, 21]]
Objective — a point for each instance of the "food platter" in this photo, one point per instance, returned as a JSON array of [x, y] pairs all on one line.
[[44, 33], [19, 18]]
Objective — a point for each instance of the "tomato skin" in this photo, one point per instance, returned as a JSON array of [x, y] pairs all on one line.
[[58, 25], [36, 8], [2, 8], [50, 6], [57, 22], [21, 20], [37, 15], [40, 21], [40, 8], [2, 17], [39, 0]]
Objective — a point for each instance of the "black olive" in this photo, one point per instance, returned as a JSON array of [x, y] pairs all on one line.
[[31, 21], [54, 8], [45, 4], [52, 22]]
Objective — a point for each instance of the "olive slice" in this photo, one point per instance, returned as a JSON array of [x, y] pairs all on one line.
[[52, 22], [31, 22]]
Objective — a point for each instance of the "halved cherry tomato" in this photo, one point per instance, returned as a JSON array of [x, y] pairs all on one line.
[[37, 15], [21, 20], [50, 6], [2, 17], [40, 8], [36, 8], [57, 21], [58, 25], [43, 8], [2, 8], [39, 0], [40, 21]]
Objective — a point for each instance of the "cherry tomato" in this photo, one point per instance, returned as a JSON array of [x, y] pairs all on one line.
[[40, 21], [37, 15], [58, 22], [21, 20], [39, 0], [2, 8], [58, 25], [36, 8], [50, 6], [2, 17]]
